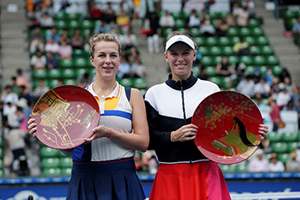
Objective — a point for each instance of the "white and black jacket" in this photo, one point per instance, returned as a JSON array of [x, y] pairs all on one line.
[[171, 105]]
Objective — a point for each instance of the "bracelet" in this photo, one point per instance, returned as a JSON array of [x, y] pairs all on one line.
[[112, 133]]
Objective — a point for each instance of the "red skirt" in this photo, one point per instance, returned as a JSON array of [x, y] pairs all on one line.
[[198, 181]]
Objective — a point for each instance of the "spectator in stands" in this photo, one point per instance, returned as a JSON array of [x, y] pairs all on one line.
[[242, 17], [275, 164], [269, 76], [84, 79], [134, 51], [95, 12], [259, 163], [117, 34], [77, 40], [40, 90], [22, 165], [193, 20], [139, 69], [261, 106], [274, 114], [38, 61], [124, 68], [290, 106], [236, 9], [289, 86], [46, 21], [221, 28], [36, 41], [223, 68], [246, 86], [146, 8], [207, 29], [25, 94], [9, 100], [64, 4], [230, 20], [293, 165], [296, 95], [26, 105], [123, 21], [34, 18], [282, 98], [64, 36], [22, 78], [241, 47], [101, 27], [14, 86], [153, 37], [53, 34], [48, 7], [265, 146], [152, 165], [166, 20], [130, 39], [203, 75], [250, 5], [296, 33], [109, 15], [53, 47], [65, 50], [262, 89], [51, 61], [298, 152], [275, 88]]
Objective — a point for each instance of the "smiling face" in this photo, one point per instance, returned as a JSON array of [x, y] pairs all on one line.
[[180, 57], [106, 59]]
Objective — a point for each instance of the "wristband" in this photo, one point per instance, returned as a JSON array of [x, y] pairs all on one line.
[[112, 133]]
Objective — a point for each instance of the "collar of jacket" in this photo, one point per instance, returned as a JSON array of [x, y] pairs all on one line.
[[188, 83]]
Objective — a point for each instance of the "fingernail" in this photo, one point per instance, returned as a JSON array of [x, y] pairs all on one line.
[[260, 125], [261, 137]]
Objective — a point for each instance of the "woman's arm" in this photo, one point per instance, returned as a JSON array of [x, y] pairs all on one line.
[[139, 140]]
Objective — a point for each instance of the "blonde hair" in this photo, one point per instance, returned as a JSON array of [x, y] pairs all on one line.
[[174, 33], [106, 37]]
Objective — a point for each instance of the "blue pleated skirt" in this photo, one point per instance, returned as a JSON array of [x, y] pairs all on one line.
[[111, 180]]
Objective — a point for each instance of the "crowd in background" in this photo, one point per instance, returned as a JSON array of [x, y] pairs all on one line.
[[45, 50]]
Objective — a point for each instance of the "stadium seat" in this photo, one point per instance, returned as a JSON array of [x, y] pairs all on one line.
[[81, 71], [73, 16], [272, 60], [227, 50], [85, 32], [215, 51], [247, 60], [250, 70], [242, 168], [49, 162], [210, 71], [277, 70], [88, 24], [79, 53], [211, 41], [1, 164], [73, 24], [177, 15], [267, 50], [233, 59], [255, 50], [65, 162], [204, 50], [279, 147], [199, 41], [262, 40], [195, 32], [253, 22], [47, 152], [263, 70], [126, 82], [166, 31], [257, 31], [292, 146], [223, 41], [140, 83], [234, 40], [60, 24], [55, 171], [68, 73], [232, 31], [39, 74], [66, 171], [206, 60], [65, 63], [52, 83], [54, 74], [69, 81], [250, 39], [60, 16], [213, 15], [289, 136], [274, 137], [81, 62], [196, 71], [179, 23], [227, 168], [217, 80], [245, 31], [216, 60], [283, 157], [259, 60], [288, 14], [225, 82]]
